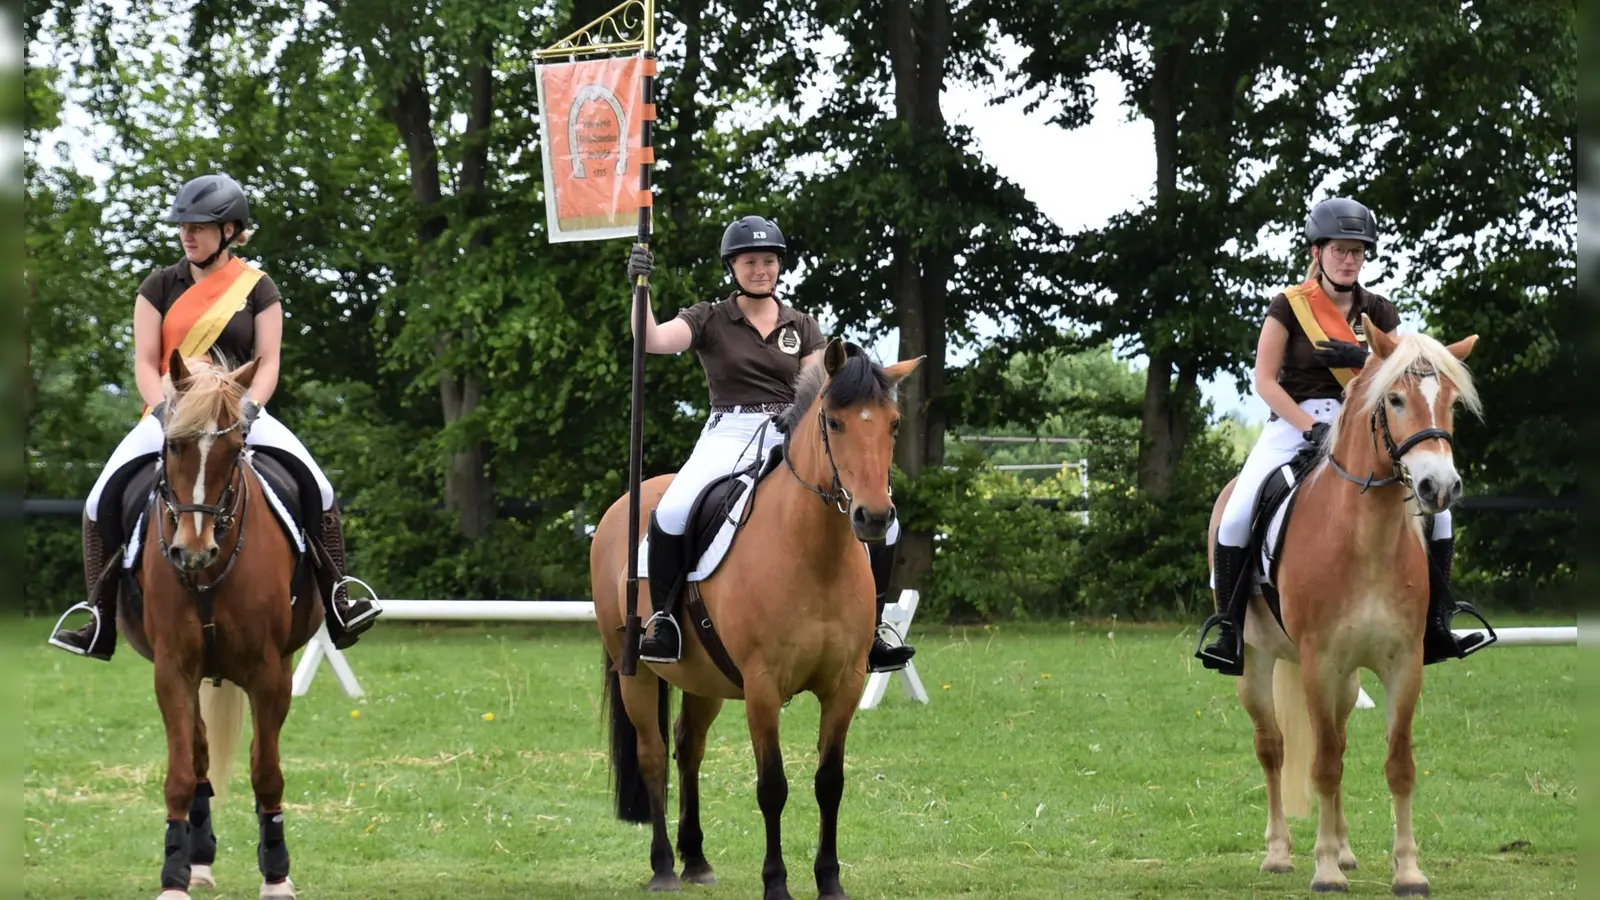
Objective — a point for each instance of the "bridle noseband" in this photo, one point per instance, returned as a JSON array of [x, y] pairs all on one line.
[[1379, 421], [226, 512]]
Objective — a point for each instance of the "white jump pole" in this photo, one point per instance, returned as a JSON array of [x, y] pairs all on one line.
[[1557, 636]]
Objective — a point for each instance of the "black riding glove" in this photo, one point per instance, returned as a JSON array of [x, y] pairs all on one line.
[[640, 262], [1318, 433], [1340, 354]]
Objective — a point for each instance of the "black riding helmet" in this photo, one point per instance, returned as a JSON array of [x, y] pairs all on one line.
[[1341, 218], [751, 233], [212, 198]]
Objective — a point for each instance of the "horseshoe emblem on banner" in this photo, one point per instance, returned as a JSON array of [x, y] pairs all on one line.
[[585, 94]]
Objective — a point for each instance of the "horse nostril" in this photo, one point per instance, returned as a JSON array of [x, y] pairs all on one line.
[[1425, 487]]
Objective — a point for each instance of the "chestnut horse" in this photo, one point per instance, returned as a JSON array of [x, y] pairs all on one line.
[[1353, 581], [792, 602], [214, 579]]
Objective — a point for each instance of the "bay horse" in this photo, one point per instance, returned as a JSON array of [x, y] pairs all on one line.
[[213, 602], [792, 602], [1353, 582]]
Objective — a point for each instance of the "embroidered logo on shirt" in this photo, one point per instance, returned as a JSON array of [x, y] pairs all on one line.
[[789, 341]]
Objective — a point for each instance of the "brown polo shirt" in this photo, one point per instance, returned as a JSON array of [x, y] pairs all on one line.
[[1302, 377], [237, 343], [742, 367]]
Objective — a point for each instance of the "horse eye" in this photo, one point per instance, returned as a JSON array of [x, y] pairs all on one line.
[[835, 425], [172, 447], [1397, 401]]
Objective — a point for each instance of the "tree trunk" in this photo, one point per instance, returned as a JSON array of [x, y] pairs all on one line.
[[1161, 435], [919, 41], [467, 490]]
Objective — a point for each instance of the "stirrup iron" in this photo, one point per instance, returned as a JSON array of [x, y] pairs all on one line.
[[645, 630], [1216, 621], [87, 607], [1484, 640]]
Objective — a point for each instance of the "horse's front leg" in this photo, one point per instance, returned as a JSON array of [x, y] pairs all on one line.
[[1402, 684], [1322, 683], [176, 695], [269, 707], [1255, 694], [837, 711], [761, 706]]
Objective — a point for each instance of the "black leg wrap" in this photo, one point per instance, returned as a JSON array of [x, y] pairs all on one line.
[[272, 853], [202, 840], [175, 869]]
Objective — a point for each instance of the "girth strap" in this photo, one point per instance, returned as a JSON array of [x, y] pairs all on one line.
[[695, 606]]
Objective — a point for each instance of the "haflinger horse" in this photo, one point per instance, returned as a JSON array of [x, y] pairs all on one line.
[[792, 602], [1353, 581], [214, 587]]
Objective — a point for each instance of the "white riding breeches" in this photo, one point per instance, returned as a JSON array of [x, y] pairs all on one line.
[[727, 444], [147, 437], [1277, 445]]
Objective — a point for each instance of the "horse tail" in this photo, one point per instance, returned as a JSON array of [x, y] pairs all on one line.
[[222, 710], [1294, 721], [627, 781]]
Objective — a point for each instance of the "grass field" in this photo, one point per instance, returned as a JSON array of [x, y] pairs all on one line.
[[1053, 761]]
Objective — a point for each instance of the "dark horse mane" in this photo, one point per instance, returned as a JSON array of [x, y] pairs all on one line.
[[859, 380]]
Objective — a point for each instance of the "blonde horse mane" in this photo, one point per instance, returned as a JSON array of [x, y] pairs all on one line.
[[1413, 353], [208, 400]]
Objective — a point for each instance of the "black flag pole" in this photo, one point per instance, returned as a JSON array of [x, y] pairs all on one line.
[[612, 34]]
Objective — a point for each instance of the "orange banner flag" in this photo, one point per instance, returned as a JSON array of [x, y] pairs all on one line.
[[590, 113]]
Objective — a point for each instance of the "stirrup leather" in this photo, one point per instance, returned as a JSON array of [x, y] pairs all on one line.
[[645, 631]]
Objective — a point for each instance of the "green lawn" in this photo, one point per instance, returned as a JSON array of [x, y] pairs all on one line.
[[1053, 761]]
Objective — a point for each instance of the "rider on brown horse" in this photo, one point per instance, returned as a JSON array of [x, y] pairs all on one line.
[[210, 303], [752, 346], [1300, 380]]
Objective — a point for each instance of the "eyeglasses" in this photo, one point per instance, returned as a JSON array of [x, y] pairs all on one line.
[[1355, 253]]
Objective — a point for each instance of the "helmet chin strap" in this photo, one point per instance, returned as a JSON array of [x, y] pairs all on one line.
[[221, 246]]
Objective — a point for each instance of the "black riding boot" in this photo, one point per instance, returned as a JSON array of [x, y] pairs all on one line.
[[98, 638], [885, 656], [1439, 642], [663, 639], [1226, 653], [346, 619]]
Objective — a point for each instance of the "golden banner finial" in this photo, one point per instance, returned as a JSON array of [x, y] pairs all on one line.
[[628, 28]]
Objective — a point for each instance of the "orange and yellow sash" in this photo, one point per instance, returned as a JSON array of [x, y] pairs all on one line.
[[1321, 321], [196, 319]]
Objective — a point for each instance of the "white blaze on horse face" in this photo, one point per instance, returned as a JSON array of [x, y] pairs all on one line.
[[1431, 459], [866, 415], [200, 481]]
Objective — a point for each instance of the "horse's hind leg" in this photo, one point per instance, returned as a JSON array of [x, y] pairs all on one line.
[[690, 738], [1401, 684], [761, 707], [202, 840], [175, 694], [1255, 693], [837, 711], [269, 707], [642, 698]]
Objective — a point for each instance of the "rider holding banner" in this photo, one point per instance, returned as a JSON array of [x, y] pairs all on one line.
[[1310, 347], [752, 347], [208, 304]]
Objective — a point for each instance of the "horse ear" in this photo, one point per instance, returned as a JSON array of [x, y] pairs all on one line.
[[246, 373], [1382, 344], [833, 358], [900, 370], [176, 368], [1463, 348]]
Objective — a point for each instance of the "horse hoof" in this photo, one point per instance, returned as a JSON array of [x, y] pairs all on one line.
[[283, 890], [200, 877], [1277, 868], [700, 874], [1411, 890], [1330, 887], [664, 884]]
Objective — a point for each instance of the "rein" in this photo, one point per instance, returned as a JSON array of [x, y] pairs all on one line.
[[227, 513]]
